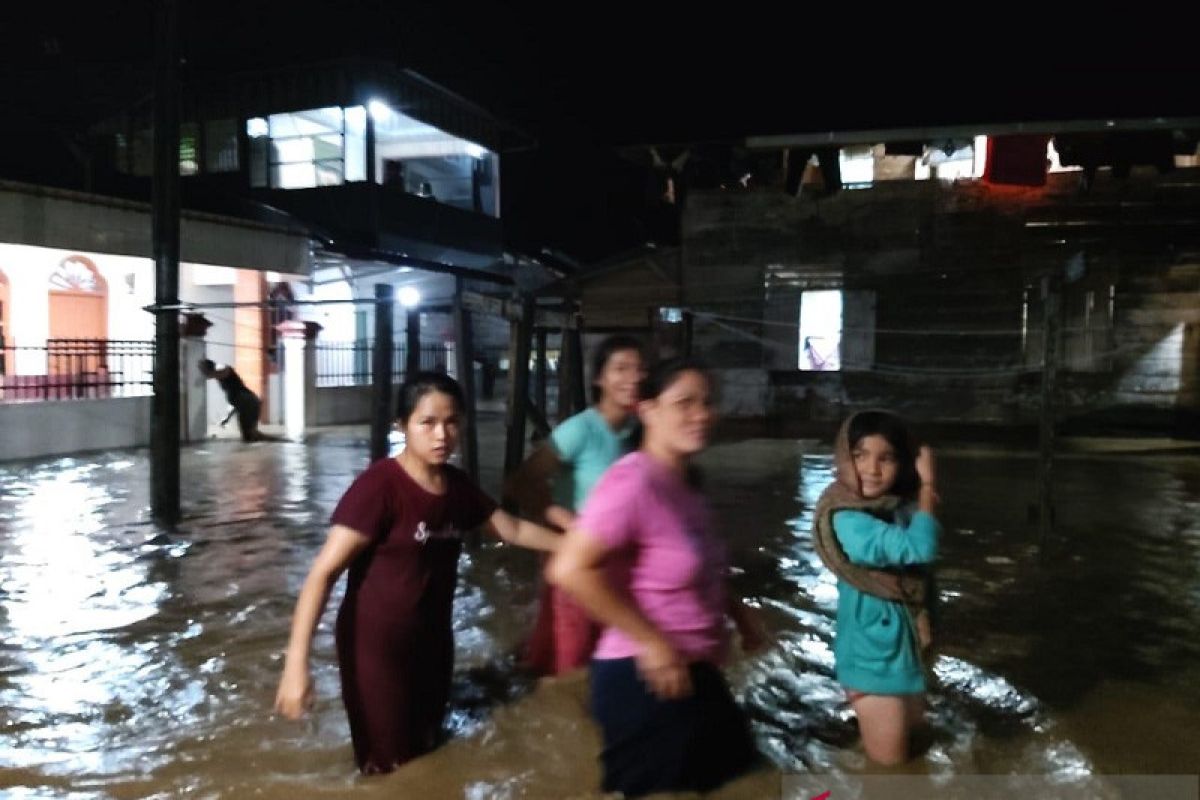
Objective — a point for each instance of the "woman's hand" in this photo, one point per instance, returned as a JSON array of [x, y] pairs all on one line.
[[664, 671], [926, 469], [559, 517], [295, 693]]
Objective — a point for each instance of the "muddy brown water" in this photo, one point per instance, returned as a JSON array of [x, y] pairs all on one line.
[[136, 662]]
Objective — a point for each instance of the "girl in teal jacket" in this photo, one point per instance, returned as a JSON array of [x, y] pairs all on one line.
[[877, 531]]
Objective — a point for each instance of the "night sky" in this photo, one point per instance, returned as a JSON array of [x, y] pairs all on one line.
[[586, 78]]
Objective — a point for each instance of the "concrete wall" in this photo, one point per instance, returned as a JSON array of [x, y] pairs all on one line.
[[45, 217], [343, 405], [742, 393], [950, 275], [33, 430]]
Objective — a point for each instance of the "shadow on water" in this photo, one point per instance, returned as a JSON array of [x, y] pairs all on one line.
[[136, 662]]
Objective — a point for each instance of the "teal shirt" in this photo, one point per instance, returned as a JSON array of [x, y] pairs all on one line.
[[875, 649], [586, 446]]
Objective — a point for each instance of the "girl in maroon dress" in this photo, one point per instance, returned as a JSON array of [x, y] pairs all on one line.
[[398, 529]]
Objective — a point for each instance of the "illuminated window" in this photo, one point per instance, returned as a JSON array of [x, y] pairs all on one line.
[[305, 149], [821, 330]]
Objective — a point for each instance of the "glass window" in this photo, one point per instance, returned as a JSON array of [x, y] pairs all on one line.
[[857, 166], [220, 146], [121, 152], [260, 147], [425, 161], [821, 330], [356, 143], [305, 149], [189, 149]]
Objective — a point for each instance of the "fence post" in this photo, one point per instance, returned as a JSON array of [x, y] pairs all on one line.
[[298, 368], [193, 385], [412, 343], [311, 329], [464, 354]]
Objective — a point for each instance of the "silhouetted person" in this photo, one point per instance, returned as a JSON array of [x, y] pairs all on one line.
[[243, 402]]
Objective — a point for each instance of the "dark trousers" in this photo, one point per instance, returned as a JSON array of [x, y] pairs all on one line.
[[249, 407], [695, 743]]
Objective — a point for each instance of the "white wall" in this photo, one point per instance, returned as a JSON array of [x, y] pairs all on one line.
[[337, 321], [130, 288], [29, 270], [45, 217], [218, 341], [33, 430]]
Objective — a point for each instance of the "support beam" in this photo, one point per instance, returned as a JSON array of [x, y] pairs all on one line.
[[539, 420], [578, 380], [412, 343], [165, 408], [464, 353], [572, 396], [520, 336], [381, 372], [566, 359], [539, 392], [1051, 314]]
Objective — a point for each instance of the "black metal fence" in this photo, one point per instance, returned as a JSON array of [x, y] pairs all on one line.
[[76, 369], [349, 363]]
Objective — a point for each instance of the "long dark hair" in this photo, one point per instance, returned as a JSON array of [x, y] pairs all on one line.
[[658, 379], [900, 436], [611, 345], [421, 384], [663, 374]]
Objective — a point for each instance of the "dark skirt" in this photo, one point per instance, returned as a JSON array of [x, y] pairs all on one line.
[[395, 688], [695, 743]]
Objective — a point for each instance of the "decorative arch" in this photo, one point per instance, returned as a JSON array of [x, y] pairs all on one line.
[[78, 300], [280, 308], [78, 296]]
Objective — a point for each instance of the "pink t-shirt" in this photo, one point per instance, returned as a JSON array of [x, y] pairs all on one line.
[[663, 553]]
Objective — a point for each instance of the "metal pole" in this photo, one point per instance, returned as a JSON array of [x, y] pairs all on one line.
[[381, 373], [412, 343], [1051, 302], [464, 353], [540, 376], [578, 378], [164, 427]]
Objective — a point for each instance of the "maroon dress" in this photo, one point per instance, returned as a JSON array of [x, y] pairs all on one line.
[[395, 641]]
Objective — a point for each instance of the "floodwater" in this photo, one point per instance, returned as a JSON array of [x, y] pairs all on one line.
[[141, 663]]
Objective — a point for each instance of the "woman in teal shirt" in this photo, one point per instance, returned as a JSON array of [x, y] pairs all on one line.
[[880, 512], [556, 479]]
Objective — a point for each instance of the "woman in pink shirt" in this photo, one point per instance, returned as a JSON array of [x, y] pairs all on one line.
[[643, 559]]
